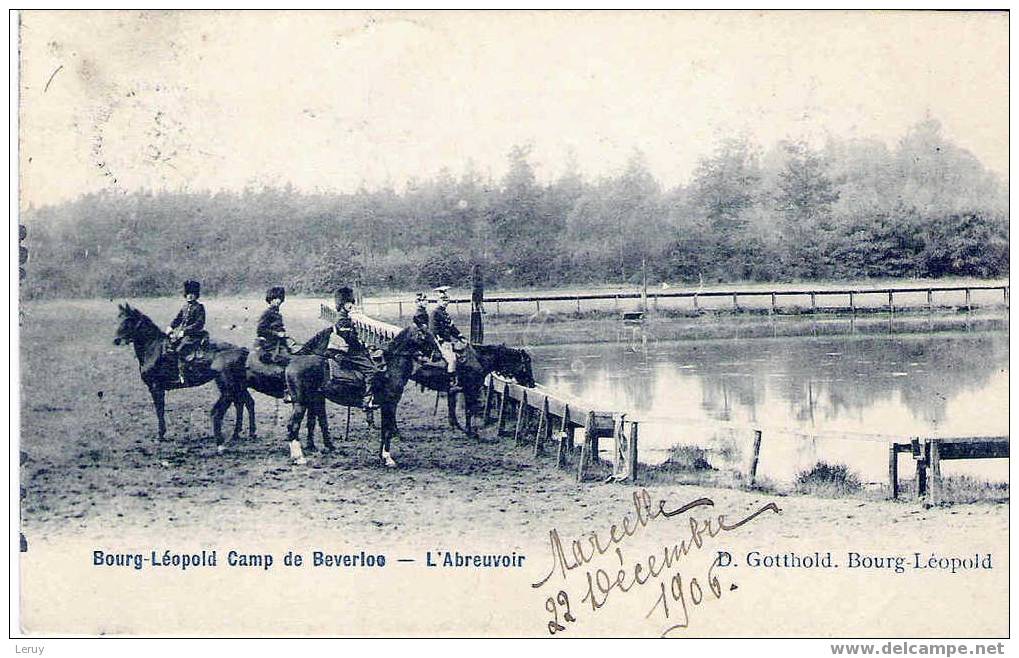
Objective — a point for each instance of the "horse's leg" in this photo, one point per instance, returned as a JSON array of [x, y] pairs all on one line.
[[217, 413], [159, 403], [454, 422], [311, 426], [386, 425], [238, 419], [323, 424], [249, 403], [294, 424]]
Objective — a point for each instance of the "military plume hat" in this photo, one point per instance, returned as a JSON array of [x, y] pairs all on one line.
[[343, 296], [276, 292], [192, 288]]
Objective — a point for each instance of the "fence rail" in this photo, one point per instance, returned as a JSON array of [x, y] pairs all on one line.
[[653, 296]]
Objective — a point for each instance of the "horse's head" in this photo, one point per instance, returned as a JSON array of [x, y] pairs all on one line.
[[515, 364], [133, 325], [410, 341], [318, 343]]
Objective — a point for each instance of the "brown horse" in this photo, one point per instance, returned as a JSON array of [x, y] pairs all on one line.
[[310, 384], [158, 367], [476, 363]]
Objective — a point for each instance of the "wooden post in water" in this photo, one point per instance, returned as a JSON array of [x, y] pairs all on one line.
[[893, 470], [521, 419], [502, 409], [754, 456]]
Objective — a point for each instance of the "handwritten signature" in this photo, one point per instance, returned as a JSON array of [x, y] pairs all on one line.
[[672, 600]]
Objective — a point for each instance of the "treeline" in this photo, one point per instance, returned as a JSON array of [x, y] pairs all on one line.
[[852, 209]]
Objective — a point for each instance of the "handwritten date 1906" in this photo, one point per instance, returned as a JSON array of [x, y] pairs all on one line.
[[675, 593]]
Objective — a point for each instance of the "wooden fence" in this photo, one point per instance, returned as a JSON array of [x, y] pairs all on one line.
[[559, 417], [512, 407], [651, 298], [929, 453]]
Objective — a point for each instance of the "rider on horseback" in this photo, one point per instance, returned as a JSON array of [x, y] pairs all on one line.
[[420, 318], [271, 342], [272, 334], [447, 337], [356, 356], [187, 331]]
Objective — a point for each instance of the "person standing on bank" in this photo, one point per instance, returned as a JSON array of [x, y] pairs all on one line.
[[356, 356], [187, 329], [447, 337]]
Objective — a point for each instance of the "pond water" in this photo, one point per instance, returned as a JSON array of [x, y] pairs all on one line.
[[831, 398]]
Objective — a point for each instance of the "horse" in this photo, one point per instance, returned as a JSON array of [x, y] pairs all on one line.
[[308, 378], [159, 372], [476, 362], [270, 379]]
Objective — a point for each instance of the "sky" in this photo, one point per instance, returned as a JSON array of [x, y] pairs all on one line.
[[335, 101]]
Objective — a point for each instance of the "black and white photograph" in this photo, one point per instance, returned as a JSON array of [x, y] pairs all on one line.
[[512, 324]]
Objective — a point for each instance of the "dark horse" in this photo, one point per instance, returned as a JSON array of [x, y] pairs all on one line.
[[475, 364], [159, 371], [310, 384], [270, 379]]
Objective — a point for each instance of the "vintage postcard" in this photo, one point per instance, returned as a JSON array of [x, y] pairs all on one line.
[[553, 324]]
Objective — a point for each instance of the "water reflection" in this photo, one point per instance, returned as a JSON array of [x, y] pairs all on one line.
[[897, 385]]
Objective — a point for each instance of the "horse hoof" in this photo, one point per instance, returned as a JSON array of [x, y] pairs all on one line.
[[329, 447], [311, 448], [220, 449], [300, 461], [390, 463]]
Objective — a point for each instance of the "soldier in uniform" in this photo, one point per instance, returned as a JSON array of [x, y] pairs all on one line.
[[272, 335], [187, 330], [421, 313], [447, 337], [271, 340], [357, 355]]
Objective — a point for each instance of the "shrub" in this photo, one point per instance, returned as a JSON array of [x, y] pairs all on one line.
[[828, 479]]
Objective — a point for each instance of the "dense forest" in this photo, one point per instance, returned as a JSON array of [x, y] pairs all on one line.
[[849, 209]]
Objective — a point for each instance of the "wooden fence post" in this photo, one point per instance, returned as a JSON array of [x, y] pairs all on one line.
[[578, 303], [813, 302], [632, 452], [695, 304], [735, 302], [930, 301], [502, 409], [544, 427], [399, 305], [935, 465], [521, 417], [969, 305], [585, 448], [773, 307], [565, 438], [752, 474], [852, 303], [893, 470], [891, 302]]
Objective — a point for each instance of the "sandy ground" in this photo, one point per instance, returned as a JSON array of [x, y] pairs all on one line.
[[92, 472]]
